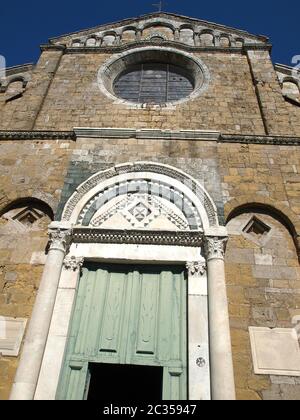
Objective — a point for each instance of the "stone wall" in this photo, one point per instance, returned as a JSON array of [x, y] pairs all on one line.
[[262, 277], [74, 99], [199, 159], [20, 114], [275, 112], [263, 285], [75, 93], [263, 280], [232, 173], [33, 170], [243, 97], [294, 111], [271, 172]]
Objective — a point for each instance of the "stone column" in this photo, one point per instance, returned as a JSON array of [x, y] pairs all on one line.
[[118, 39], [58, 333], [199, 374], [32, 354], [217, 40], [222, 377], [176, 34], [197, 39], [139, 34]]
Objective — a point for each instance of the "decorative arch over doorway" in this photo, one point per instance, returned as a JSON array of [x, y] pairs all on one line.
[[161, 189]]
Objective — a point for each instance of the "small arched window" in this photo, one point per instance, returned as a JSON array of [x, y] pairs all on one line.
[[108, 40], [27, 213], [91, 42], [224, 41], [206, 39]]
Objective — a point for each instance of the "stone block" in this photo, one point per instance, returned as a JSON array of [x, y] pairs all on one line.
[[11, 335], [38, 258], [11, 277], [261, 259], [290, 392], [273, 394], [263, 316], [275, 351]]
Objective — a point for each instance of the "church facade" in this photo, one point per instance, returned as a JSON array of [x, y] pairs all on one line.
[[149, 216]]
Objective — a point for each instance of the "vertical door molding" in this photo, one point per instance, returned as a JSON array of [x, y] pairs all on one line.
[[199, 365]]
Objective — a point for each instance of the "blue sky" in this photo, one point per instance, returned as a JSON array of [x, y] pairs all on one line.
[[26, 25]]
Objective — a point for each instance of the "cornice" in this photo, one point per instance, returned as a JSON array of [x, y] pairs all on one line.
[[114, 49], [149, 134], [53, 47], [283, 68], [197, 135], [22, 68], [264, 140], [257, 47], [88, 235], [37, 135], [127, 133], [171, 44]]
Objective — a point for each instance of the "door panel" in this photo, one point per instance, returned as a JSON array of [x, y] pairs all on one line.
[[128, 315]]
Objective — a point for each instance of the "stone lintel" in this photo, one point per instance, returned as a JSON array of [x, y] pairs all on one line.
[[88, 235]]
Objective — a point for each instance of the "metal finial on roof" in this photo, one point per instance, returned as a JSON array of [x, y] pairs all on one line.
[[159, 5]]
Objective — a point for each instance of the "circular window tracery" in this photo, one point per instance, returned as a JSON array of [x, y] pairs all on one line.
[[153, 76], [153, 83]]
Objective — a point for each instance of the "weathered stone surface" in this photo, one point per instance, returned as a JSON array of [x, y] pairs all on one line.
[[244, 97], [266, 306]]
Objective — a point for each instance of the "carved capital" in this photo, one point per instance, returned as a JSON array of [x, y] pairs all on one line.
[[196, 268], [73, 263], [215, 247], [59, 239]]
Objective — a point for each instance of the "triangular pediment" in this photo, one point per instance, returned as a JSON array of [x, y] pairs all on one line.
[[160, 27]]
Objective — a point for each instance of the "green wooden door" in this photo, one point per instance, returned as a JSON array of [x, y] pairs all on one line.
[[128, 315]]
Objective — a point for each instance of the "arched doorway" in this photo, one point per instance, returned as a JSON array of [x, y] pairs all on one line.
[[146, 236]]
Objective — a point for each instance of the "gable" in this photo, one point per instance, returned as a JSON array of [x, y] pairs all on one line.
[[160, 27]]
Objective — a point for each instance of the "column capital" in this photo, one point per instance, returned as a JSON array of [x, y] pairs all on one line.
[[59, 237], [215, 247], [73, 263], [196, 268]]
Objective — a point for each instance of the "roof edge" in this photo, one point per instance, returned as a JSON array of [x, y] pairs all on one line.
[[161, 14], [284, 68], [19, 68]]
